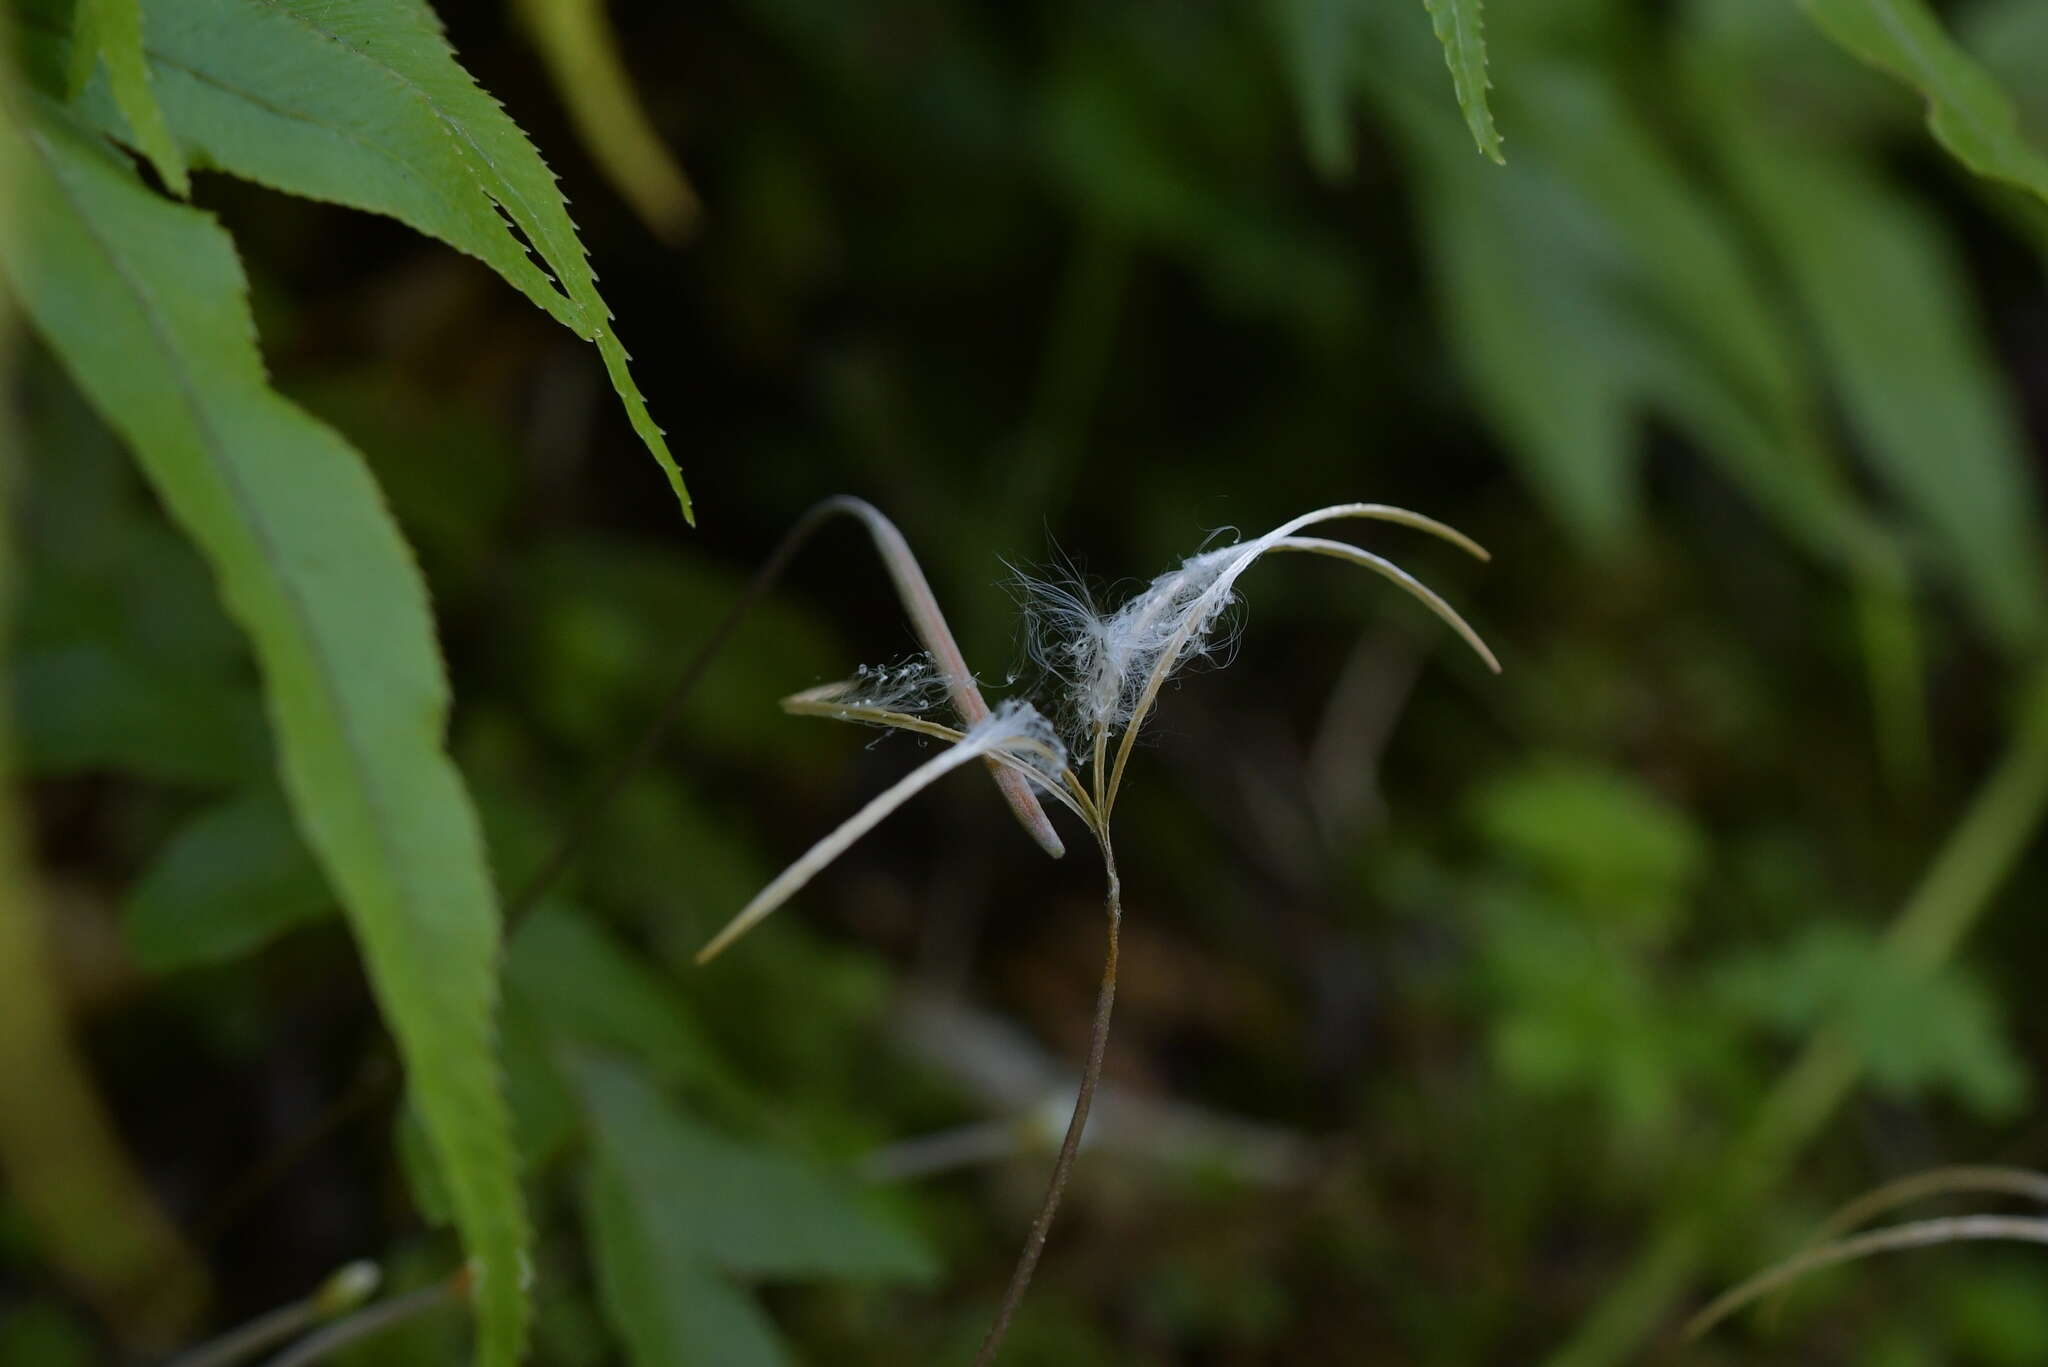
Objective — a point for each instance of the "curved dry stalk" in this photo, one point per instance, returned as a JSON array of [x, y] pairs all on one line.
[[1345, 551], [919, 603], [1000, 730], [1218, 592], [1981, 1178], [937, 638], [1063, 1165], [1919, 1234]]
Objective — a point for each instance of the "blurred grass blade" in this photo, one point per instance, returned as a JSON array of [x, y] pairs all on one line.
[[109, 32], [97, 1222], [1920, 388], [669, 1306], [746, 1208], [583, 56], [1968, 112], [1319, 41], [144, 301], [89, 1210], [231, 880], [1594, 283], [366, 105], [1960, 882], [582, 985], [1462, 32]]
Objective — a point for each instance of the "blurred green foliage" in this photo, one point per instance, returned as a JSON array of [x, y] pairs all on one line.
[[1740, 373]]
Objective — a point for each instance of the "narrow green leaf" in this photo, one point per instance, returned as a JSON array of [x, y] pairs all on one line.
[[89, 706], [1921, 391], [110, 32], [89, 1214], [1524, 334], [748, 1209], [546, 1114], [145, 303], [670, 1306], [364, 104], [1968, 112], [2010, 37], [1319, 39], [231, 880], [582, 53], [1592, 282], [583, 987], [1462, 32]]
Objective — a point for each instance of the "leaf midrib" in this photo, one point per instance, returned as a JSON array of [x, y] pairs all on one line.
[[461, 133], [259, 530]]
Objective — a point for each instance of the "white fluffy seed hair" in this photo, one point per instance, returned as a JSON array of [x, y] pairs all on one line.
[[1102, 660], [913, 686]]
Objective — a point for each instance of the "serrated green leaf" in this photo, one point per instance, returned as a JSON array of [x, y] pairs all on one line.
[[1921, 391], [1968, 112], [1462, 31], [545, 1113], [670, 1306], [364, 104], [109, 32], [749, 1209], [422, 1171], [145, 303], [232, 879]]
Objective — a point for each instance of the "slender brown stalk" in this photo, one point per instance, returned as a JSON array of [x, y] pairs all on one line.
[[930, 624], [1919, 1234], [1063, 1166]]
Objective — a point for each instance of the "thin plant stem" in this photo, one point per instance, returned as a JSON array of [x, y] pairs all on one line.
[[918, 601], [814, 860], [1920, 1186], [1063, 1165], [370, 1321], [268, 1329], [340, 1293], [1949, 1181], [1976, 859], [1919, 1234]]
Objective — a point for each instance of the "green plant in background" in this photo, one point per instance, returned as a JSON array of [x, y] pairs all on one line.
[[1678, 252]]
